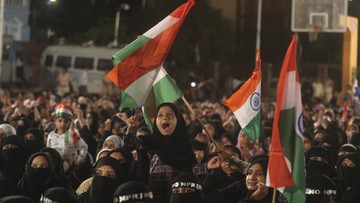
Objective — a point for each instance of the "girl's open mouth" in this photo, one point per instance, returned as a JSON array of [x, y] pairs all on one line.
[[166, 126]]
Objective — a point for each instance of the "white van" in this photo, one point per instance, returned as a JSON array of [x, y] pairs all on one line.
[[77, 58]]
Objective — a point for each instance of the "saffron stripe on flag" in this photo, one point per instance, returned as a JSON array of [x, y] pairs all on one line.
[[244, 115], [239, 98], [153, 47]]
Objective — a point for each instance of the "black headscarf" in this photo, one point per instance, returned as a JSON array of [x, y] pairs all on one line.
[[16, 199], [175, 150], [37, 180], [21, 129], [33, 146], [132, 192], [314, 166], [11, 169], [58, 195], [350, 178], [263, 160], [128, 159], [187, 180], [320, 188], [58, 165], [355, 140], [345, 149], [200, 146], [349, 175], [103, 188]]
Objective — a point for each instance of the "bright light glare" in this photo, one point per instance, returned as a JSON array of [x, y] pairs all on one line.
[[193, 84], [52, 0]]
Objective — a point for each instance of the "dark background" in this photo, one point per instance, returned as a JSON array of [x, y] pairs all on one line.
[[233, 48]]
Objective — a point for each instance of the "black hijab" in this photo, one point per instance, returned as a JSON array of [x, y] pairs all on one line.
[[37, 180], [128, 160], [103, 188], [349, 176], [190, 181], [175, 150], [58, 165], [132, 192], [33, 146], [13, 170], [320, 188], [263, 160], [58, 195], [315, 166], [344, 150], [21, 129], [16, 199]]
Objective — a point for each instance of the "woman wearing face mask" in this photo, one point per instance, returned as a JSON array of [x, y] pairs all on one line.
[[33, 141], [12, 158], [172, 150], [109, 173], [84, 186], [348, 169], [58, 165], [39, 176], [318, 161]]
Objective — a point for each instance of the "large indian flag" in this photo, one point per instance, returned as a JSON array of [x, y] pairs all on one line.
[[286, 165], [245, 103], [138, 66]]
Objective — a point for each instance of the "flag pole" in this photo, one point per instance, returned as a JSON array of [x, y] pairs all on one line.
[[198, 119], [274, 196], [239, 164]]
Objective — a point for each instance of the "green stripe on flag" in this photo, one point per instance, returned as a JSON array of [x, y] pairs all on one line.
[[166, 90], [129, 49], [252, 129], [293, 146], [127, 101]]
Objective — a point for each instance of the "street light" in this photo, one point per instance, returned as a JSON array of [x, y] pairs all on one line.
[[124, 7]]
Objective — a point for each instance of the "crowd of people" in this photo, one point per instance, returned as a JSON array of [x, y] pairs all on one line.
[[83, 149]]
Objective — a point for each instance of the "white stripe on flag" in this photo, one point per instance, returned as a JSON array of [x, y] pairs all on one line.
[[289, 97], [162, 73], [161, 26], [141, 87], [245, 113]]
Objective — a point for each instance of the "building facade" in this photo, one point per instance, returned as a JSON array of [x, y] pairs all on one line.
[[16, 19]]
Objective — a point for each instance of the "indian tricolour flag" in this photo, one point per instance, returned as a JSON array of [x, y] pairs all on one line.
[[138, 67], [286, 164], [245, 103]]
